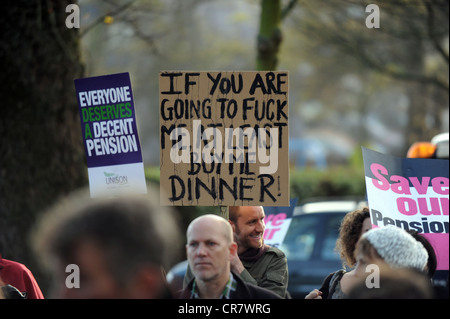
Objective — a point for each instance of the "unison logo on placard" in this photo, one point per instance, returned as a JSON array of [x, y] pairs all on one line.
[[115, 179]]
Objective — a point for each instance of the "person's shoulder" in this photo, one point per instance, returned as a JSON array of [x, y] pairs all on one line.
[[12, 265], [185, 293], [247, 290], [278, 252]]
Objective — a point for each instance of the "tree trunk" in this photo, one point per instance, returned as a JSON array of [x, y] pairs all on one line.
[[41, 153], [269, 37]]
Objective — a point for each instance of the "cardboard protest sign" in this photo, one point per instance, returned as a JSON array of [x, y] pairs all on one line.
[[110, 135], [410, 193], [277, 220], [224, 138]]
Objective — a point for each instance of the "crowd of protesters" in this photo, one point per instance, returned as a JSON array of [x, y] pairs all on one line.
[[121, 247]]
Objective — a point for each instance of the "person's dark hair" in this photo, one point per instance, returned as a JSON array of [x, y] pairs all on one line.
[[432, 259], [233, 213], [124, 231], [349, 233], [130, 231]]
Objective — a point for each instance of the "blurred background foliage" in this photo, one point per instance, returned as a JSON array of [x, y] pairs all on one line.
[[349, 85]]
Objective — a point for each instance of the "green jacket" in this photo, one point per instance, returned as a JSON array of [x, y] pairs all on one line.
[[270, 272]]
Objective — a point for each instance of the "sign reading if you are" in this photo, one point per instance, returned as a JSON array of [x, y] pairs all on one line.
[[224, 138]]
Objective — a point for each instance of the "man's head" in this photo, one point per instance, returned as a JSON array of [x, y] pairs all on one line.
[[248, 226], [210, 247], [119, 245]]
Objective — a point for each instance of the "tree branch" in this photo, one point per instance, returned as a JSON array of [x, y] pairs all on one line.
[[432, 31], [396, 73], [100, 19], [286, 10]]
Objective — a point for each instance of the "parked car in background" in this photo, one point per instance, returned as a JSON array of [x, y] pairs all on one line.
[[310, 242]]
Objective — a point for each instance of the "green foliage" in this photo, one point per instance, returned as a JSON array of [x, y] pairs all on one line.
[[336, 182]]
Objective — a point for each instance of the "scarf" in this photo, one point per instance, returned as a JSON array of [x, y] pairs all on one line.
[[253, 254]]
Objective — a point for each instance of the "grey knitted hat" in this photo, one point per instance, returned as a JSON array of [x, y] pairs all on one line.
[[397, 248]]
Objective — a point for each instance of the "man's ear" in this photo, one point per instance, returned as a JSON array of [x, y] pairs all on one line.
[[233, 250], [233, 225]]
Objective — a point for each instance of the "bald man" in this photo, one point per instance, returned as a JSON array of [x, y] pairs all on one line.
[[210, 249], [255, 262]]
